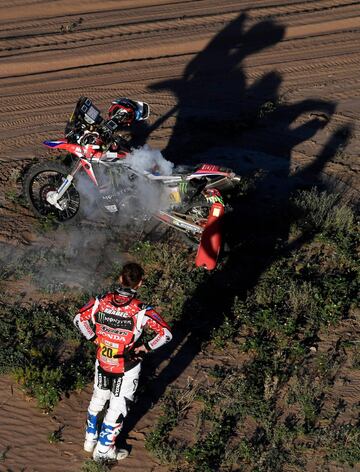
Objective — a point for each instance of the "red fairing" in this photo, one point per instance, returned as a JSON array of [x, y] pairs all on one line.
[[212, 169], [117, 326], [87, 151], [61, 144], [210, 243]]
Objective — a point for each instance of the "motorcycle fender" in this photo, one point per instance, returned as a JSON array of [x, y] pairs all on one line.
[[210, 243], [61, 144]]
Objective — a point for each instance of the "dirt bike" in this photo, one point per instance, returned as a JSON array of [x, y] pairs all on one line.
[[193, 202]]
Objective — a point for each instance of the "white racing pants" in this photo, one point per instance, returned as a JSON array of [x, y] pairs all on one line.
[[119, 390]]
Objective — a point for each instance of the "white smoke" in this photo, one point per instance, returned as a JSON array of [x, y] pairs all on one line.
[[124, 188], [150, 160]]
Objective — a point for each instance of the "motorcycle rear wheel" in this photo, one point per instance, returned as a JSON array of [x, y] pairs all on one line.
[[46, 177], [198, 211]]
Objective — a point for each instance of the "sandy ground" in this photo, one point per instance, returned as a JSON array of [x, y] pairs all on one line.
[[25, 431], [287, 73]]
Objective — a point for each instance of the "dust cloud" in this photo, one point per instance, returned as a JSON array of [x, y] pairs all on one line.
[[88, 253]]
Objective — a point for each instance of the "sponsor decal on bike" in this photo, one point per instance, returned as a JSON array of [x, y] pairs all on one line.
[[54, 144], [181, 224], [183, 187], [214, 196]]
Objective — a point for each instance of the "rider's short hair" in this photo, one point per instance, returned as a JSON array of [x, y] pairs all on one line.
[[132, 274]]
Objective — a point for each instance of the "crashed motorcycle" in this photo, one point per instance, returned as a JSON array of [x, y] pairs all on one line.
[[193, 197]]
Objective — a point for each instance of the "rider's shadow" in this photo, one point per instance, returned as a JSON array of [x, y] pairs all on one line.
[[212, 93], [214, 96]]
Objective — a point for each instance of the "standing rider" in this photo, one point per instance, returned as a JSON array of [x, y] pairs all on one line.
[[114, 322]]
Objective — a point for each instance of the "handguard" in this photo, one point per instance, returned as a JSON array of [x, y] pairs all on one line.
[[211, 238]]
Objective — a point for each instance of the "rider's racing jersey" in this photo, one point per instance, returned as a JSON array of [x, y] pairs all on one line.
[[115, 321]]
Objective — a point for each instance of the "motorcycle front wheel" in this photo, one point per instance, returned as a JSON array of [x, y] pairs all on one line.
[[47, 177]]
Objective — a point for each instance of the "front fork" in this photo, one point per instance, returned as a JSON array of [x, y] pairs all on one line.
[[54, 196]]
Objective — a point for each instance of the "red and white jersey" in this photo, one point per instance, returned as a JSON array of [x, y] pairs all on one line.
[[115, 322]]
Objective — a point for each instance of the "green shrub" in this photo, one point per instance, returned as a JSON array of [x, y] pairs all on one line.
[[170, 279], [43, 384], [207, 454], [44, 351], [318, 210], [345, 447], [56, 436], [92, 466], [325, 213], [158, 441]]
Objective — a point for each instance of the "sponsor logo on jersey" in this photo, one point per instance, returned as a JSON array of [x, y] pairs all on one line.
[[107, 329], [113, 336], [113, 321], [121, 314], [156, 340], [88, 328]]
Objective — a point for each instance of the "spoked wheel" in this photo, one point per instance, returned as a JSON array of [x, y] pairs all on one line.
[[47, 177]]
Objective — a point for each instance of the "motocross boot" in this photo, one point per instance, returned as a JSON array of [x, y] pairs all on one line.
[[91, 434], [105, 449]]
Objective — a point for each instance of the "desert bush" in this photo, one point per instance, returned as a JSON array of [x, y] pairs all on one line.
[[43, 351], [55, 437], [92, 466], [207, 454], [170, 278], [356, 357], [344, 444], [174, 405], [309, 395], [41, 383], [37, 263], [288, 300], [322, 212]]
